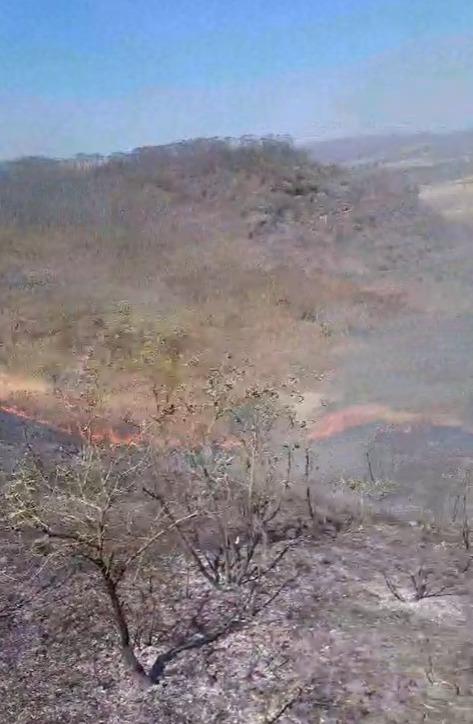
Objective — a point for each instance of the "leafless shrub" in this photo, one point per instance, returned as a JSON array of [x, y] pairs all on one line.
[[90, 511], [421, 585], [461, 519], [98, 510], [239, 493], [461, 510]]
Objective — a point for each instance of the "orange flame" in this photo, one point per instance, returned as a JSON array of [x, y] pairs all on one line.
[[358, 415], [101, 434], [335, 423]]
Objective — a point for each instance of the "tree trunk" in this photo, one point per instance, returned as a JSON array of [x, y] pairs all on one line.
[[128, 653], [161, 661]]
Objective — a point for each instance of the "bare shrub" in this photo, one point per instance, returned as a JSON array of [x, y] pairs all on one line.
[[92, 512], [89, 511], [461, 513], [239, 491], [100, 514], [423, 583]]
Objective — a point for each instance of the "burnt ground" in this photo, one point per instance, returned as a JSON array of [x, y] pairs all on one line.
[[336, 643], [15, 430], [18, 435]]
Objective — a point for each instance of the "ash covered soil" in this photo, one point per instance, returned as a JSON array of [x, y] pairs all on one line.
[[336, 645]]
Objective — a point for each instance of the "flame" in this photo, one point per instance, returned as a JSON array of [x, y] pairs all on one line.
[[97, 433], [112, 437], [358, 415]]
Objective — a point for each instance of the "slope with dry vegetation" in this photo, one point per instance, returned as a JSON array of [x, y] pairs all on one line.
[[146, 270]]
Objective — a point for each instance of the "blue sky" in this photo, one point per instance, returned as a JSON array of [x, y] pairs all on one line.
[[103, 75]]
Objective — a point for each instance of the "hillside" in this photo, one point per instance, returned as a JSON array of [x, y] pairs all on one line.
[[434, 147], [145, 270]]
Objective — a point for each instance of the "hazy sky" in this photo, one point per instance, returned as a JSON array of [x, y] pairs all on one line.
[[104, 75]]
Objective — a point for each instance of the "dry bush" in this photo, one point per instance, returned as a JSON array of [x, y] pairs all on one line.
[[424, 583], [240, 489], [92, 514], [116, 519], [89, 510]]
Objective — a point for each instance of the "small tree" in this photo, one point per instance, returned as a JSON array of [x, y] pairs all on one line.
[[238, 486], [92, 511], [101, 509]]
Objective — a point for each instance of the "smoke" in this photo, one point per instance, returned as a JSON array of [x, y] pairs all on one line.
[[427, 86]]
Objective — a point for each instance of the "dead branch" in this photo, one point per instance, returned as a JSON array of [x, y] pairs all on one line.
[[421, 587], [285, 707], [392, 588]]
